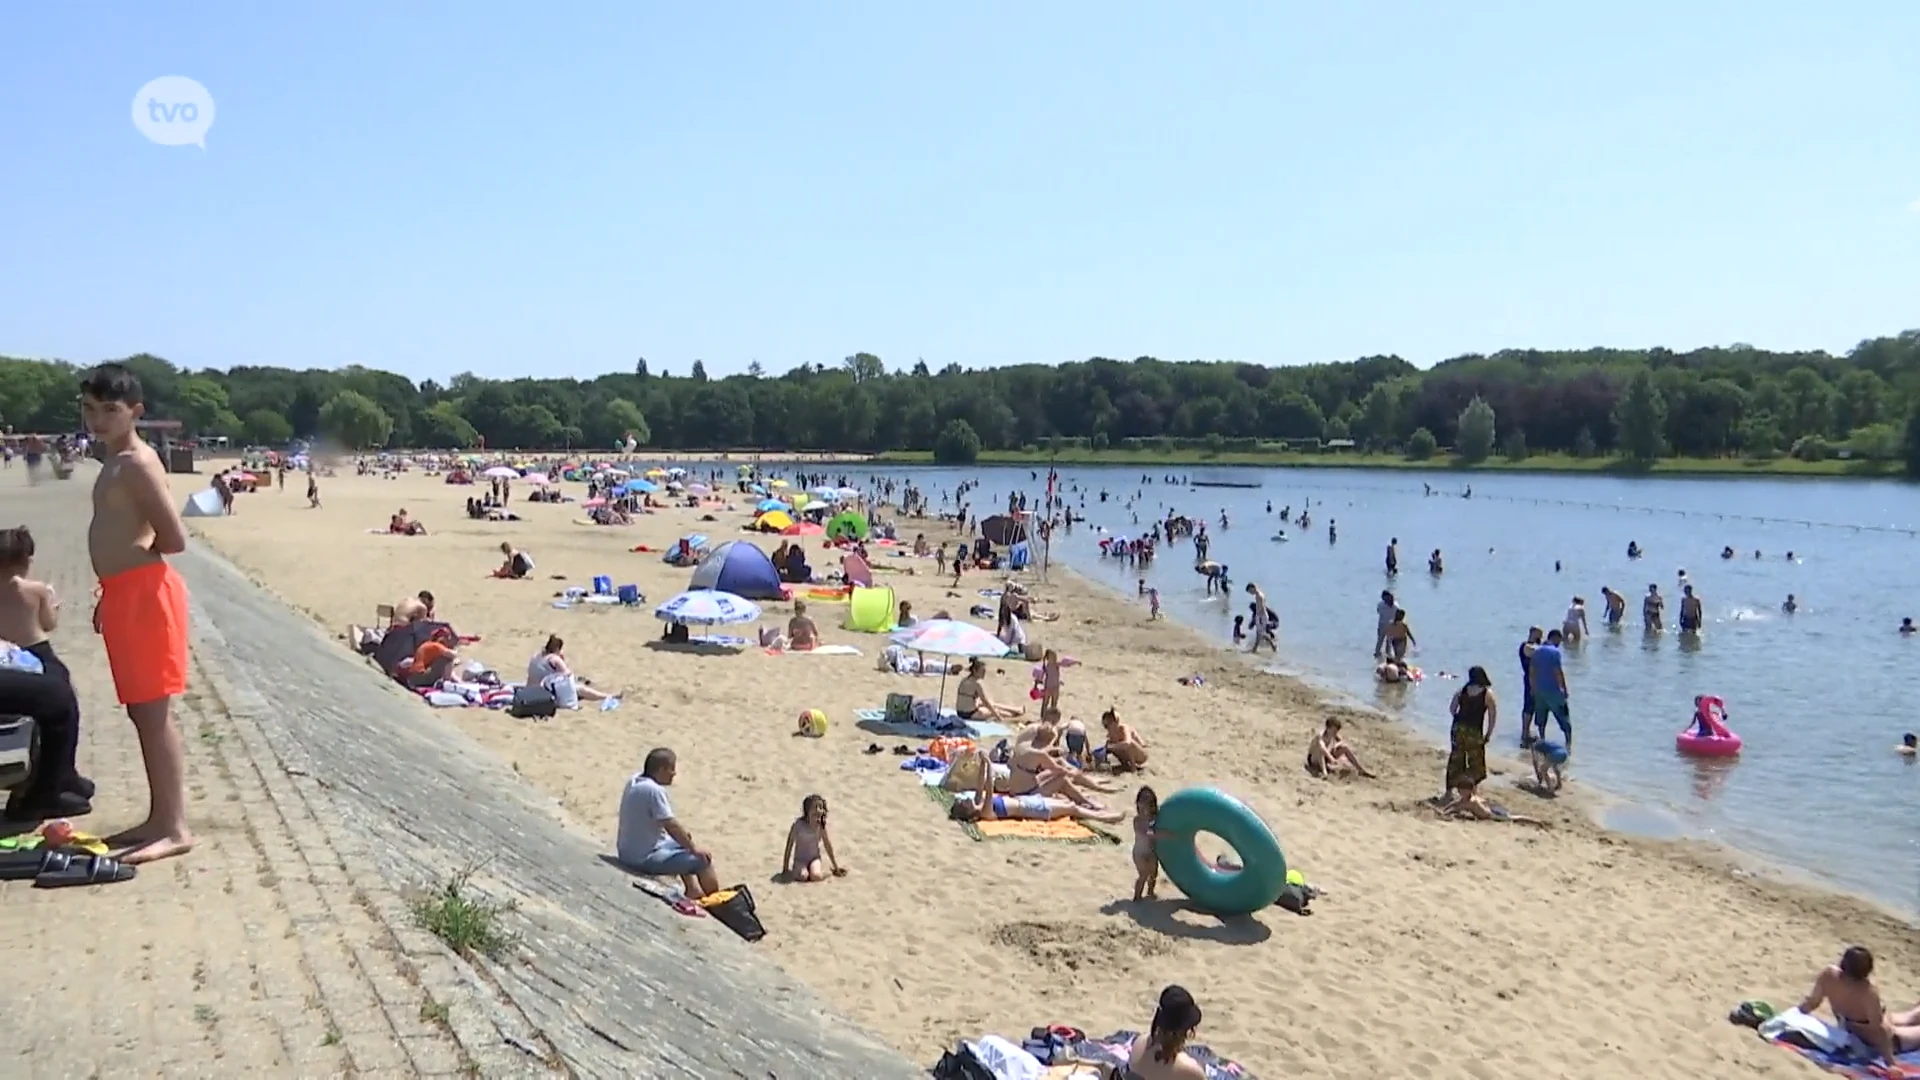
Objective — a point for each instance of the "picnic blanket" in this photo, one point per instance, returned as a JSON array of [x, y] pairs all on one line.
[[1064, 830], [876, 719]]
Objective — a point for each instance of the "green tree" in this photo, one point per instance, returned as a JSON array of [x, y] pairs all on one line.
[[1515, 447], [625, 418], [200, 404], [442, 427], [1474, 440], [354, 419], [958, 444], [1421, 445], [1583, 445], [1639, 418], [1913, 443], [264, 427]]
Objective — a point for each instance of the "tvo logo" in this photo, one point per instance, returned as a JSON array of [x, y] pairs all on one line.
[[174, 110]]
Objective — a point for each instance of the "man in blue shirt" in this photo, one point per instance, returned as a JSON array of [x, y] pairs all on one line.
[[651, 841], [1548, 676]]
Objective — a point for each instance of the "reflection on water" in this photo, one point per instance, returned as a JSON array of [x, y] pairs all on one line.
[[1820, 697]]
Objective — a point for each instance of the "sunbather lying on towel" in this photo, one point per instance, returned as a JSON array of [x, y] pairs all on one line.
[[981, 804]]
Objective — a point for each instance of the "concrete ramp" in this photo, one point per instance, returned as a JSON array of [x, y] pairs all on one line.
[[604, 980]]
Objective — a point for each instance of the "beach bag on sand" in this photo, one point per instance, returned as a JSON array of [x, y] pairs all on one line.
[[532, 703], [899, 708], [736, 911], [961, 1064]]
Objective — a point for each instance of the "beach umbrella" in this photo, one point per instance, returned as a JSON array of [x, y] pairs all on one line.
[[949, 637], [848, 523], [825, 491], [676, 471], [699, 489], [537, 478], [767, 505], [501, 472], [758, 489], [636, 487], [778, 483], [708, 607], [773, 520], [848, 493]]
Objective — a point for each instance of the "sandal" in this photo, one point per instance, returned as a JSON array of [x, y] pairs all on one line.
[[86, 870]]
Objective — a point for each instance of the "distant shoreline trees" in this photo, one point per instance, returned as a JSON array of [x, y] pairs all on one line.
[[1737, 401]]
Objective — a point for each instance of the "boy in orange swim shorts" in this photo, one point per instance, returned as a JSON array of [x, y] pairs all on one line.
[[142, 611]]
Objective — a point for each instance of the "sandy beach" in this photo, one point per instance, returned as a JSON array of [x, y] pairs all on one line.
[[1442, 949]]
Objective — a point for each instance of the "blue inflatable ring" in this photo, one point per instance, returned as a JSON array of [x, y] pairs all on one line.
[[1221, 892]]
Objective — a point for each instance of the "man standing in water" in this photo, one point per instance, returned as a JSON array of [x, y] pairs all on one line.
[[1550, 688], [1260, 628], [1652, 607], [1383, 616], [1690, 613], [1526, 685], [1616, 605], [142, 613], [1393, 556]]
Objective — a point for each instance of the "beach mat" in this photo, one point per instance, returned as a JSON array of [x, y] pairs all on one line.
[[817, 650], [1850, 1066], [1065, 831], [875, 720]]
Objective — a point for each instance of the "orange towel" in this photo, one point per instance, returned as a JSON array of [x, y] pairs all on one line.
[[1057, 829], [143, 618]]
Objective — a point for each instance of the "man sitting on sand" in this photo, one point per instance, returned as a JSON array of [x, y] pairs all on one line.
[[1329, 755], [1847, 988], [651, 840], [402, 525]]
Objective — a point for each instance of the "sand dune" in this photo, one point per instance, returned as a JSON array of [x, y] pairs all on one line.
[[1442, 950]]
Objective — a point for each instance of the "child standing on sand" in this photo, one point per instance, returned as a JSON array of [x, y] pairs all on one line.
[[1153, 605], [807, 840], [1049, 681], [142, 611], [1146, 862]]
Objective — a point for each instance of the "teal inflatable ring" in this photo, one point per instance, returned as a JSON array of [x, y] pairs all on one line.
[[1221, 892]]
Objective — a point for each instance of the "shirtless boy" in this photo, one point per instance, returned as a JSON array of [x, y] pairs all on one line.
[[29, 612], [142, 611]]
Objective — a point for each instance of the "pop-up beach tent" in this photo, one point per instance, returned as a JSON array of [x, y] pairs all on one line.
[[203, 503], [741, 568]]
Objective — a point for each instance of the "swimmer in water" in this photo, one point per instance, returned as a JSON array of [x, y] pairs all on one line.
[[1653, 607], [1690, 613], [1616, 605], [1907, 629], [1909, 745], [1633, 549], [1574, 626], [1727, 552], [1791, 605]]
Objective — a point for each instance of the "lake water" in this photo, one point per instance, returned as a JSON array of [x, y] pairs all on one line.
[[1820, 696]]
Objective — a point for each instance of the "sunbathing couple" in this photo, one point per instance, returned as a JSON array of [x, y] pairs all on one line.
[[402, 525], [1035, 768], [1054, 797]]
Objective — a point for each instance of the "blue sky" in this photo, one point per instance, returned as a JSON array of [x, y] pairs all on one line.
[[520, 189]]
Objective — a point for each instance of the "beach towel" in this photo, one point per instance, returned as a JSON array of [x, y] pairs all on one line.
[[1830, 1048], [718, 639], [1063, 831], [876, 720], [817, 650]]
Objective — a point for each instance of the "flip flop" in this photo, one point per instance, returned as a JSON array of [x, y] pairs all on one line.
[[873, 748], [25, 865], [89, 870]]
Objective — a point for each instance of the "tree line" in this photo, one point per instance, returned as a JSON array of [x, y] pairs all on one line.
[[1638, 403]]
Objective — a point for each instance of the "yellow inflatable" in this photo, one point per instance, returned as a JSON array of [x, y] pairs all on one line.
[[813, 723]]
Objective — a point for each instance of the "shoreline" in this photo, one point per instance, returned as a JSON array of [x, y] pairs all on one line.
[[1430, 938], [1543, 464], [1592, 802]]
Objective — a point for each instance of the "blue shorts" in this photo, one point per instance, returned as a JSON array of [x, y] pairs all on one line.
[[671, 860], [1545, 705]]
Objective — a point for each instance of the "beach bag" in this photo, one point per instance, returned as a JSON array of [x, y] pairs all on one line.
[[899, 708], [924, 713], [736, 912], [961, 1065], [532, 703]]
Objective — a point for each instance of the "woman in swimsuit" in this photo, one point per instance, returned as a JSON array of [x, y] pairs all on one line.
[[971, 700], [1160, 1054], [981, 804], [1847, 988]]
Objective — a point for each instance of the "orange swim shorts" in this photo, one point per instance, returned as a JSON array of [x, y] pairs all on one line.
[[143, 617]]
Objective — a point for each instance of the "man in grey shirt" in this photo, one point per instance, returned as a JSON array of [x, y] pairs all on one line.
[[651, 841]]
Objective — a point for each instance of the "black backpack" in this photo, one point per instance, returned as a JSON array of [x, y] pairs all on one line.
[[532, 703]]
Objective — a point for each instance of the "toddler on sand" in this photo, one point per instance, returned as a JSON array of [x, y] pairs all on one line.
[[1146, 862]]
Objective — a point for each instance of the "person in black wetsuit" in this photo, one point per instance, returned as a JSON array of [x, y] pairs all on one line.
[[1534, 637]]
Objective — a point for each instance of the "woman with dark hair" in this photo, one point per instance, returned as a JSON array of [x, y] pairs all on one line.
[[1474, 713], [1160, 1054]]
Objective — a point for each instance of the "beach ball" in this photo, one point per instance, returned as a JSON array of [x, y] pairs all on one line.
[[813, 723]]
